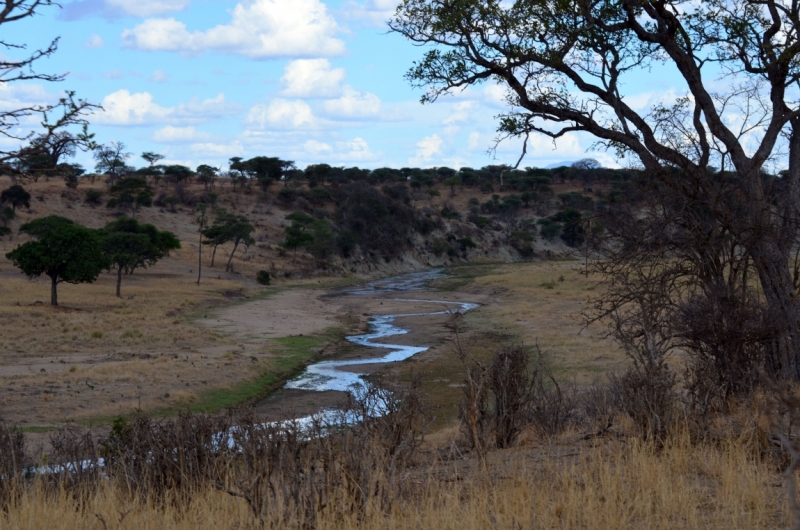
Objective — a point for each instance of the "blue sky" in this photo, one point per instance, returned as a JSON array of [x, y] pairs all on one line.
[[312, 81]]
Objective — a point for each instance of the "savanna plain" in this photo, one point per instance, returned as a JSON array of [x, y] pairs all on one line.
[[148, 379]]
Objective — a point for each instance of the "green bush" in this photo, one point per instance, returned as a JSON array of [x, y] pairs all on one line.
[[263, 277]]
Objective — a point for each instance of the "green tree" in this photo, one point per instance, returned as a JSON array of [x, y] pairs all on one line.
[[229, 227], [130, 245], [111, 160], [16, 196], [152, 158], [7, 214], [568, 65], [206, 174], [62, 250], [131, 193], [298, 233]]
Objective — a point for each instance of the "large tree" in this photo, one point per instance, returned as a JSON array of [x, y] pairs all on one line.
[[130, 245], [62, 250], [111, 159], [566, 66], [21, 65]]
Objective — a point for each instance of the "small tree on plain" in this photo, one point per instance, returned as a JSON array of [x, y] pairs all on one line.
[[130, 245], [62, 250], [16, 196], [131, 193]]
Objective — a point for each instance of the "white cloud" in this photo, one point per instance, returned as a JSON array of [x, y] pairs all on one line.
[[353, 104], [305, 78], [159, 76], [95, 42], [147, 8], [426, 149], [316, 147], [372, 12], [282, 114], [114, 74], [260, 29], [170, 134], [214, 150], [124, 108], [461, 112]]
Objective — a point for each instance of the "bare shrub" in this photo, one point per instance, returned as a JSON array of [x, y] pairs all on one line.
[[516, 390], [725, 333], [159, 458], [12, 463]]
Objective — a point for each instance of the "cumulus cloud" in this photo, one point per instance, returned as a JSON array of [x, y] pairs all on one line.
[[170, 134], [371, 12], [426, 149], [282, 114], [210, 149], [315, 147], [261, 29], [308, 78], [124, 108], [353, 104], [95, 42]]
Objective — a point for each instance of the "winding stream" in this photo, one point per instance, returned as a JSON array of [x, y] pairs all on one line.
[[340, 375]]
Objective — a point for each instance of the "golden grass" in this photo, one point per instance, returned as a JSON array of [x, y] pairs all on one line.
[[611, 485], [541, 303]]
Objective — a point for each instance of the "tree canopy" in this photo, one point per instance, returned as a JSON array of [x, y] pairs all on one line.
[[131, 193], [62, 250], [130, 245], [566, 67], [16, 195]]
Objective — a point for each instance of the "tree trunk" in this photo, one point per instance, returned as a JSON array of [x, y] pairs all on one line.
[[200, 256], [119, 280], [213, 253], [230, 259], [772, 265], [53, 290]]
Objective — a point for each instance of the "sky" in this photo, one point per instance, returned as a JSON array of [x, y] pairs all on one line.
[[313, 81]]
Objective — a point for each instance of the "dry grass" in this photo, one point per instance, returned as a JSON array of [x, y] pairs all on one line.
[[563, 485], [542, 302]]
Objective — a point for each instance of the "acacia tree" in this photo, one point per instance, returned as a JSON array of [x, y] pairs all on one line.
[[16, 195], [131, 193], [565, 65], [129, 245], [54, 117], [111, 160], [62, 250]]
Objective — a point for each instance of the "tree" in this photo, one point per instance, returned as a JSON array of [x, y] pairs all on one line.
[[206, 174], [228, 227], [131, 193], [567, 63], [62, 250], [298, 234], [152, 158], [201, 224], [111, 160], [53, 117], [239, 230], [7, 214], [16, 196], [129, 245]]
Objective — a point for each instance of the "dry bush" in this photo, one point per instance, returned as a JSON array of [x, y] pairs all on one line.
[[12, 463], [515, 391]]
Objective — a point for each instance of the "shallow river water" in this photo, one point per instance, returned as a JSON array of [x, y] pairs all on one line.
[[341, 375]]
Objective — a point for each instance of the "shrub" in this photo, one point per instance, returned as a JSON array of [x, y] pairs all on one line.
[[263, 277], [93, 197]]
